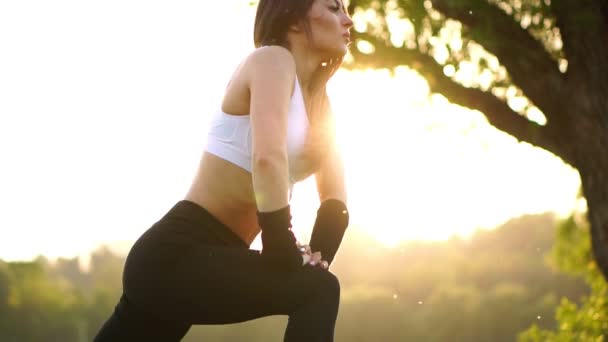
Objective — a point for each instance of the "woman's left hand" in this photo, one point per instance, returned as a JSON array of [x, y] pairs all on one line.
[[313, 259]]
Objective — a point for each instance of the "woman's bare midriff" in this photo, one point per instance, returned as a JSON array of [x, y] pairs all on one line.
[[226, 191]]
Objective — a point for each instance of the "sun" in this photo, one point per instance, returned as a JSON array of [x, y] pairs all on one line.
[[419, 167], [380, 133]]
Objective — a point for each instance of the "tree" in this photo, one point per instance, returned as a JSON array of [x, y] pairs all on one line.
[[541, 73], [588, 322]]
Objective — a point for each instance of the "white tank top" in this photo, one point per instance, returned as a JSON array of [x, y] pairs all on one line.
[[230, 138]]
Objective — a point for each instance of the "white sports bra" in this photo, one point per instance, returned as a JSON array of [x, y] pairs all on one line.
[[230, 138]]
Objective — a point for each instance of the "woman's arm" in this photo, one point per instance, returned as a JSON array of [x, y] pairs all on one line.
[[330, 176], [271, 79], [271, 72], [332, 216]]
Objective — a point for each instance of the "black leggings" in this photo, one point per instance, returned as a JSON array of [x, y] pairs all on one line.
[[189, 268]]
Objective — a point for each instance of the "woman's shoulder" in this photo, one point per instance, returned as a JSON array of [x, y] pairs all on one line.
[[270, 69], [272, 58]]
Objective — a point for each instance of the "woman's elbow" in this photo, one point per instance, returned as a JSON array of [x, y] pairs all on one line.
[[269, 161]]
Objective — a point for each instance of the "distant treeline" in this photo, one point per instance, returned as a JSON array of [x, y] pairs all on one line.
[[487, 288]]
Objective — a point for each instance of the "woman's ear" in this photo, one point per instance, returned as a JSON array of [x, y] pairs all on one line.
[[295, 28], [298, 26]]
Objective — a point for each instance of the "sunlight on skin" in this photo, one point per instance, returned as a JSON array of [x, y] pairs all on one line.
[[105, 111]]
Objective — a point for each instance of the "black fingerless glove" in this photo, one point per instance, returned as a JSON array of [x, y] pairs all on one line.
[[330, 225], [279, 248]]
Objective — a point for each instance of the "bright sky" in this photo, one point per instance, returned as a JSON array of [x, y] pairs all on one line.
[[104, 109]]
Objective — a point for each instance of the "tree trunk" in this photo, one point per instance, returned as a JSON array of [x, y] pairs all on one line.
[[594, 178], [584, 29]]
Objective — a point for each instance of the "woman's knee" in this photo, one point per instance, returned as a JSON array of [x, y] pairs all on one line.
[[333, 284], [326, 283]]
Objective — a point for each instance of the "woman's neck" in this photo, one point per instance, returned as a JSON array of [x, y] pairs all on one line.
[[306, 64]]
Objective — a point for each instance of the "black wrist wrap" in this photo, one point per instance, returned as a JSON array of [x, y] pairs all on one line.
[[328, 231], [279, 247]]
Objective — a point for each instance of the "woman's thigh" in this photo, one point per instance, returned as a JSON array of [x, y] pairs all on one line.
[[219, 285]]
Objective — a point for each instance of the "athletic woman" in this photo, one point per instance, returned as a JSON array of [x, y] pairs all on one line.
[[274, 128]]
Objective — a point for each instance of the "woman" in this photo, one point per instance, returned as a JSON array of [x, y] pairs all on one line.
[[194, 266]]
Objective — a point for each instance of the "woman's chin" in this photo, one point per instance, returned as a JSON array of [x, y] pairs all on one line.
[[338, 52]]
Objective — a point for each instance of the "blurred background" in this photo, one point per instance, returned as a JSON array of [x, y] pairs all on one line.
[[465, 224]]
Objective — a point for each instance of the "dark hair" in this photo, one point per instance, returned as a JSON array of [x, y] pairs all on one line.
[[274, 17], [272, 21]]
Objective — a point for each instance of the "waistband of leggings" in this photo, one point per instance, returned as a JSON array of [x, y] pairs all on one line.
[[192, 212]]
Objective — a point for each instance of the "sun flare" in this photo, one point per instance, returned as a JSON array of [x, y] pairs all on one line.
[[419, 167]]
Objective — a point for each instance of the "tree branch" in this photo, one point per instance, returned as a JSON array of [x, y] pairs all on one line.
[[498, 113], [530, 66]]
